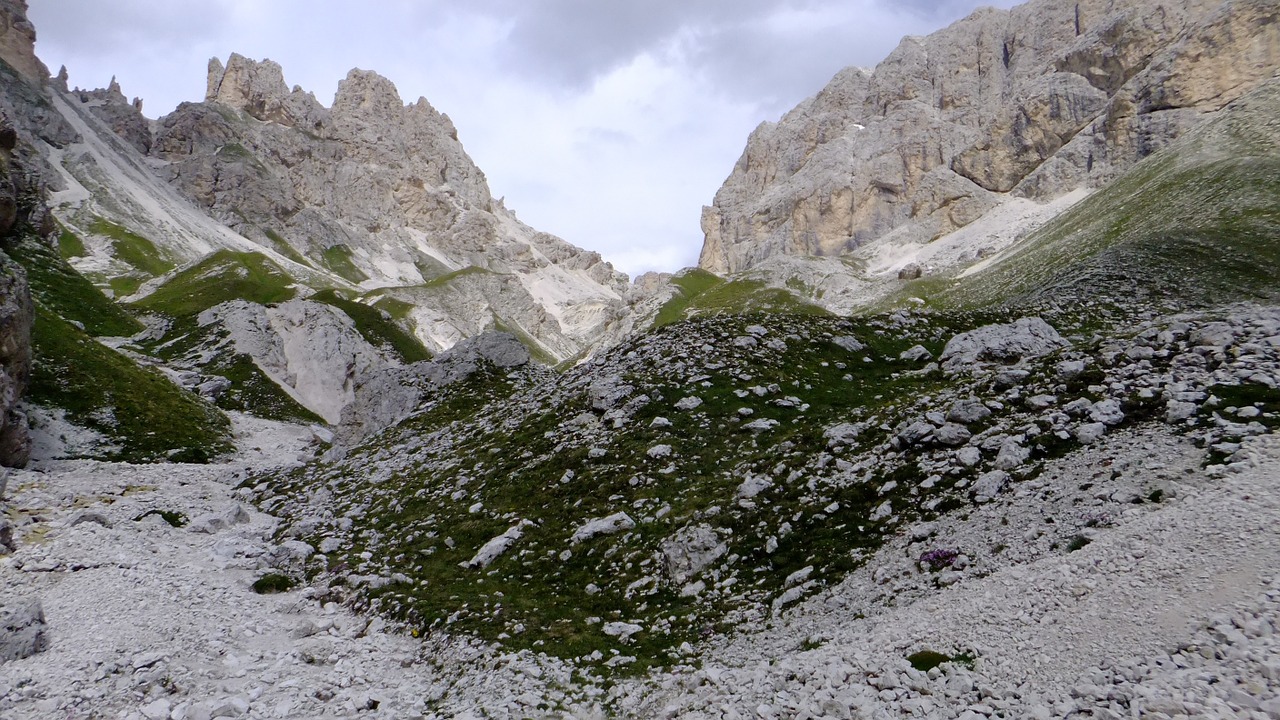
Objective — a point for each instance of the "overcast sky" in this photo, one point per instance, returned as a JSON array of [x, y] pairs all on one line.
[[607, 122]]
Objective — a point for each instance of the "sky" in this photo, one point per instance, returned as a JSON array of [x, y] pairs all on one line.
[[609, 123]]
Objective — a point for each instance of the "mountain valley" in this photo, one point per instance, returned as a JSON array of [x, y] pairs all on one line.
[[969, 410]]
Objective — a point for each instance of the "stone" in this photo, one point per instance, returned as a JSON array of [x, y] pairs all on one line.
[[1107, 412], [968, 411], [990, 484], [952, 434], [916, 353], [1089, 433], [495, 547], [611, 525], [1026, 338], [688, 403], [689, 551], [23, 631]]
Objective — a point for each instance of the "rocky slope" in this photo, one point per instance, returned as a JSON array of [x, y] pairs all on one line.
[[1032, 102], [383, 196]]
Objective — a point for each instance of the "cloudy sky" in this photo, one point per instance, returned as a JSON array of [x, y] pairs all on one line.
[[607, 122]]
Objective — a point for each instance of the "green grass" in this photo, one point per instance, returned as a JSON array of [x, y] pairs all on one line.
[[133, 249], [272, 583], [505, 444], [282, 246], [1192, 226], [222, 276], [57, 286], [926, 660], [173, 517], [337, 259], [703, 293], [142, 412], [69, 244], [377, 327]]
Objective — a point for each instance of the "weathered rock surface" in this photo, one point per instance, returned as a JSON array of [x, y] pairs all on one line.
[[22, 214], [1034, 101], [17, 41], [311, 349], [382, 398], [22, 630], [1009, 343], [383, 195]]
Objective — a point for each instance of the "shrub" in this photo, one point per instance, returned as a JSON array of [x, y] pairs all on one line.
[[272, 583]]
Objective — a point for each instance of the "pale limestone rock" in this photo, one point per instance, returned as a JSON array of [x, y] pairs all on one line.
[[1035, 101], [383, 195]]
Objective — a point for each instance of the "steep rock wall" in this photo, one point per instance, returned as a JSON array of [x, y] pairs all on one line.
[[1034, 101]]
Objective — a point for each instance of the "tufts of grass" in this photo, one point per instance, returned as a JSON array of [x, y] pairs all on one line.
[[272, 583], [146, 416], [377, 326], [337, 259], [926, 660], [222, 276], [57, 286], [173, 517], [133, 249], [69, 244], [703, 293]]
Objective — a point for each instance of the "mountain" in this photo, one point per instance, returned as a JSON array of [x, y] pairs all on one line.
[[997, 109], [1017, 461]]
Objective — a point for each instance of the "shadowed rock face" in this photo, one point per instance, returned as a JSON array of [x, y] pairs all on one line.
[[1035, 101], [22, 211]]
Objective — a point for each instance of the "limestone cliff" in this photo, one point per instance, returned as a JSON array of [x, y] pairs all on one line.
[[382, 195], [18, 39], [1034, 102]]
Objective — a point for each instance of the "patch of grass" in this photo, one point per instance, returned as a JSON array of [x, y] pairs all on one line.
[[450, 277], [702, 293], [282, 246], [133, 249], [222, 276], [173, 517], [69, 244], [273, 583], [377, 326], [253, 392], [57, 286], [337, 259], [147, 417], [1078, 542], [926, 660]]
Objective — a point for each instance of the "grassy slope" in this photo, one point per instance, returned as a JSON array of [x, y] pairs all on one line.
[[1194, 225], [145, 415], [509, 455], [377, 327], [702, 293], [218, 278]]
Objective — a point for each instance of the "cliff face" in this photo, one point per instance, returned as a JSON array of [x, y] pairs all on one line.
[[22, 212], [1033, 102], [383, 195], [18, 40]]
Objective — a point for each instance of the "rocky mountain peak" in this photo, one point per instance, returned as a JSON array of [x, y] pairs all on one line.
[[1034, 102], [18, 41], [367, 94], [258, 88]]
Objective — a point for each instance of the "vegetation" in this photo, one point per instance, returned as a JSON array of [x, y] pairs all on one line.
[[222, 276], [926, 660], [377, 327], [272, 583], [145, 416], [337, 259], [702, 293], [58, 287], [133, 249], [173, 517]]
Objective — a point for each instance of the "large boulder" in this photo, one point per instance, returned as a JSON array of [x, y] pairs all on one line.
[[1005, 344], [22, 630]]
